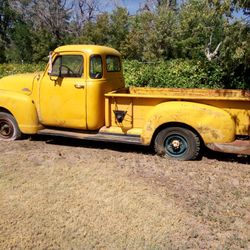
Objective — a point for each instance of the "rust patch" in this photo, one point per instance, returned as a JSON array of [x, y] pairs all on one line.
[[212, 132], [235, 147], [149, 126]]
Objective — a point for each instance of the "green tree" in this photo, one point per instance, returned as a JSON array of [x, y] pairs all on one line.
[[167, 3], [108, 29], [51, 15], [245, 4], [96, 31], [235, 55], [152, 35], [42, 26], [20, 49], [118, 27], [137, 40], [42, 42], [6, 21], [198, 21]]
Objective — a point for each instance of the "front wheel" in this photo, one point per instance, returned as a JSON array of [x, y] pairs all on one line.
[[9, 130], [177, 143]]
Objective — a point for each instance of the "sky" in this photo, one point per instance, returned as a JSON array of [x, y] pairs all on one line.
[[132, 5]]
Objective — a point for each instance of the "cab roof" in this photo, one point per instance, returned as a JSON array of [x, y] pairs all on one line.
[[87, 49]]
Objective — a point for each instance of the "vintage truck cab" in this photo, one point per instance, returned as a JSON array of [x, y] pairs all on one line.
[[82, 94]]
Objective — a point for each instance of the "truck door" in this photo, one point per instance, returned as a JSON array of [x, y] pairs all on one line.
[[63, 93]]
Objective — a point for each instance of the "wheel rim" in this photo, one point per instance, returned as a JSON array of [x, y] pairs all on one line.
[[6, 129], [176, 145]]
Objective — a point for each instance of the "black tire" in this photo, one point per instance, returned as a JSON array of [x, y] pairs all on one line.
[[9, 130], [177, 143]]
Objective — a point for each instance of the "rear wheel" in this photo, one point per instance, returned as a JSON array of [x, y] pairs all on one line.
[[177, 143], [9, 130]]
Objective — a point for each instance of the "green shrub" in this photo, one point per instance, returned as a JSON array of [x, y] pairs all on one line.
[[177, 73], [11, 69]]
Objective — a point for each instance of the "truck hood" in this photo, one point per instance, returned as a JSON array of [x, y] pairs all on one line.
[[19, 83]]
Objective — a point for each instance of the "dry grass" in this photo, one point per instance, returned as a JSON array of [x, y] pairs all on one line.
[[57, 196]]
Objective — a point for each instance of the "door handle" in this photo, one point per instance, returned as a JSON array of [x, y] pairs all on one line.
[[79, 86]]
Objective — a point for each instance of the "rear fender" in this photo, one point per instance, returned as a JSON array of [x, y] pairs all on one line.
[[211, 123], [22, 108]]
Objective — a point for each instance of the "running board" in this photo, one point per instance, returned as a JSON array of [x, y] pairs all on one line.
[[235, 147], [130, 139]]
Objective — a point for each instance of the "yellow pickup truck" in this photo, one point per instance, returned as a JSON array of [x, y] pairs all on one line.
[[81, 94]]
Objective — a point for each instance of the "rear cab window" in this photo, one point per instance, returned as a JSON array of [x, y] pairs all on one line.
[[113, 63]]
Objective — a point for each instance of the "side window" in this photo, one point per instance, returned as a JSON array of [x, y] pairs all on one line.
[[113, 63], [96, 71], [68, 66]]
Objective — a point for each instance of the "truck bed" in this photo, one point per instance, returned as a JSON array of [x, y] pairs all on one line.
[[181, 93], [138, 102]]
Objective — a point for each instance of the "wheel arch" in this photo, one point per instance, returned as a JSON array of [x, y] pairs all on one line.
[[211, 123], [2, 109], [22, 108], [175, 124]]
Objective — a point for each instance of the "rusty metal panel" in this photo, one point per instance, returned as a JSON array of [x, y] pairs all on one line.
[[235, 147]]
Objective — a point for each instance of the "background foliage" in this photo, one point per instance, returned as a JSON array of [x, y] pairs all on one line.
[[11, 69], [163, 43], [174, 73]]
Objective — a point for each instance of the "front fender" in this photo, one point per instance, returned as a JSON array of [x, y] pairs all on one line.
[[22, 108], [212, 124]]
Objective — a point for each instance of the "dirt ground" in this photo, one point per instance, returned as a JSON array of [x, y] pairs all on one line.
[[70, 194]]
